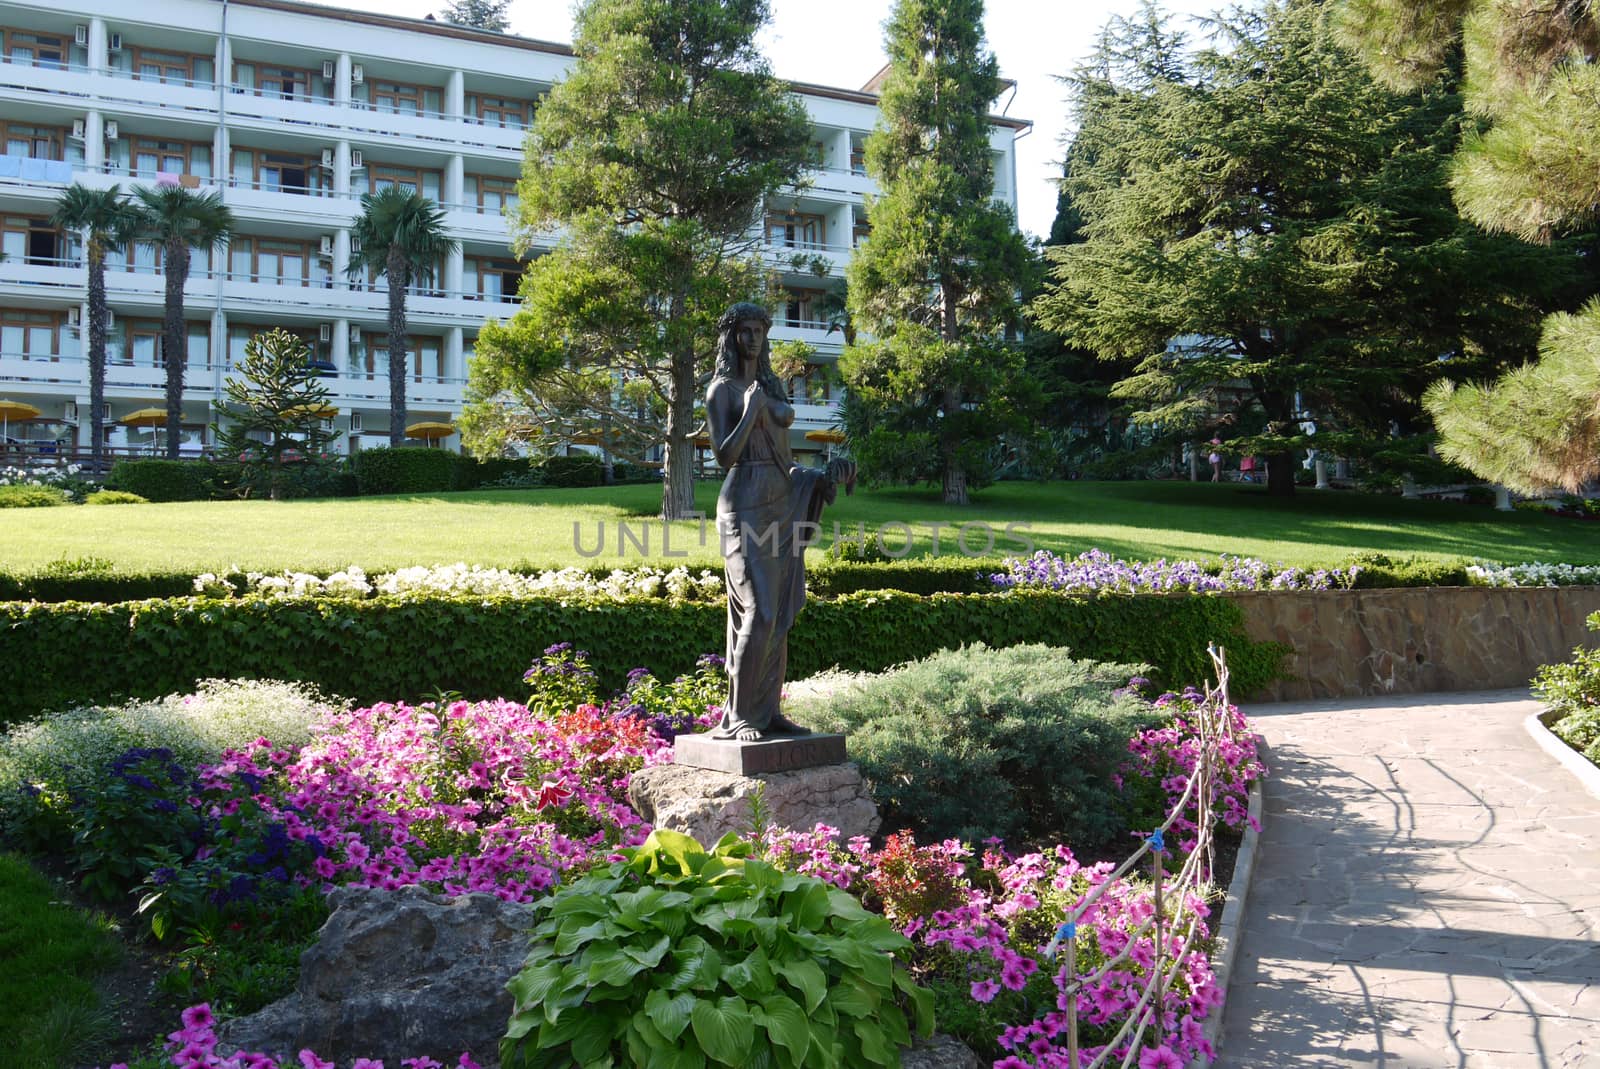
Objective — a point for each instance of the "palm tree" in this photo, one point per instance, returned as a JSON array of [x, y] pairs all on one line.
[[176, 220], [108, 222], [401, 234]]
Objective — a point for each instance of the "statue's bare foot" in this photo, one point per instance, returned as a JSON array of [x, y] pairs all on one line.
[[747, 735], [782, 725]]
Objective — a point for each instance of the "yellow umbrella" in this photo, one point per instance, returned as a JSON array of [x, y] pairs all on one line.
[[149, 417], [430, 431], [308, 409], [702, 441], [20, 411], [585, 438], [828, 436]]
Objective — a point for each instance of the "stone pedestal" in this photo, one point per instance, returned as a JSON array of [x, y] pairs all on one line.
[[782, 754], [707, 804]]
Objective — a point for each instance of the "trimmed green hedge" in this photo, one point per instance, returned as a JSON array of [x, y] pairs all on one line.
[[164, 480], [406, 470], [409, 647]]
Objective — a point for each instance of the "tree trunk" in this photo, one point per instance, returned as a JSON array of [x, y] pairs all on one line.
[[677, 468], [955, 476], [174, 345], [1280, 474], [398, 280], [97, 354]]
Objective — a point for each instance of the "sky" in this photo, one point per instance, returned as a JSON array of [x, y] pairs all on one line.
[[840, 43]]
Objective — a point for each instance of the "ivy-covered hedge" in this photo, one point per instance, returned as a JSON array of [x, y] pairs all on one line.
[[405, 470], [410, 647]]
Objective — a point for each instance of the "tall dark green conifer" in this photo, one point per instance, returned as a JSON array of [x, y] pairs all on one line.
[[653, 157], [1269, 234], [936, 286]]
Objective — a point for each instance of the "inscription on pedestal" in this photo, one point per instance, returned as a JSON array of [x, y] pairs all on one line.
[[766, 755]]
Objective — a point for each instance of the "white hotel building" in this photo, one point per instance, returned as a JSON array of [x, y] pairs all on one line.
[[293, 111]]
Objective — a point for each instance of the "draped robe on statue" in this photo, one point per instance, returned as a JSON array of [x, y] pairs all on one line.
[[767, 514]]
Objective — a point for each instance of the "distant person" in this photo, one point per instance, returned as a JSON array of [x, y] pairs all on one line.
[[1216, 460], [1247, 468]]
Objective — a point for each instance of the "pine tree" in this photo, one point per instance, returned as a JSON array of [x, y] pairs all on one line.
[[1270, 237], [1531, 71], [277, 395], [937, 284], [479, 14], [653, 157]]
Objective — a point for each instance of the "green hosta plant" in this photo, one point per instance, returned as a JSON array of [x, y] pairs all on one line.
[[679, 958]]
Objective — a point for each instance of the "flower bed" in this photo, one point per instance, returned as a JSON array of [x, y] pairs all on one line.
[[678, 584], [1097, 572], [520, 800]]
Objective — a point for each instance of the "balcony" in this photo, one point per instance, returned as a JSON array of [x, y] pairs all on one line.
[[23, 368], [371, 389]]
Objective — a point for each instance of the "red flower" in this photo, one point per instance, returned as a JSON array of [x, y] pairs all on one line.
[[552, 792]]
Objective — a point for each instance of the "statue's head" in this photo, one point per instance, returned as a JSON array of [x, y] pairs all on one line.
[[728, 347]]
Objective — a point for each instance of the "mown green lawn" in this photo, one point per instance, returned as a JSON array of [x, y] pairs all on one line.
[[538, 527]]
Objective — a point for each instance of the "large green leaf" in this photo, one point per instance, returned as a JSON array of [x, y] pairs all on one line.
[[530, 987], [592, 1043], [808, 907], [723, 1029], [786, 1027], [878, 934], [650, 956], [852, 998], [921, 1000], [806, 977], [609, 965], [672, 853], [875, 1045], [574, 934], [696, 965], [669, 1013], [675, 1058]]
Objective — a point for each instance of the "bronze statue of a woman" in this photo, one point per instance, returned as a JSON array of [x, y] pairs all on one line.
[[767, 514]]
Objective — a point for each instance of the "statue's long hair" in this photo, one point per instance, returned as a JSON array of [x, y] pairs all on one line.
[[728, 350]]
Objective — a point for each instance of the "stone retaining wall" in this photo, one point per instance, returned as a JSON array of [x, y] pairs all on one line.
[[1349, 643]]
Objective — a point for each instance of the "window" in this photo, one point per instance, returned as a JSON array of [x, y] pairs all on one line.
[[491, 195], [282, 172], [30, 335], [411, 179], [138, 343], [25, 239], [152, 157], [492, 279], [240, 333], [795, 230], [800, 310], [425, 357], [815, 387], [404, 99], [33, 142], [286, 263], [180, 68], [285, 83], [860, 229], [858, 154], [499, 111], [36, 49]]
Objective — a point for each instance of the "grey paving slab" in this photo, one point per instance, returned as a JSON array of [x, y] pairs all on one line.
[[1426, 896]]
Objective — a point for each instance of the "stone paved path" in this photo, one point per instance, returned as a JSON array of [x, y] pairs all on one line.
[[1427, 893]]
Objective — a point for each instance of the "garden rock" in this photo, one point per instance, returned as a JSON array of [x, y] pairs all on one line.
[[706, 804], [397, 974], [939, 1052]]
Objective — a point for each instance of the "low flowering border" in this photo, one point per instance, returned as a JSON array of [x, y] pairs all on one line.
[[1098, 572]]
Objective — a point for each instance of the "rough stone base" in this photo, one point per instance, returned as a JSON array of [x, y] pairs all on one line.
[[707, 804], [397, 974]]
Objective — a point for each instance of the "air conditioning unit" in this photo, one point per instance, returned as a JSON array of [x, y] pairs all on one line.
[[115, 43], [77, 129], [111, 319], [111, 131], [328, 68], [105, 412], [80, 37], [69, 411], [327, 158], [357, 75], [355, 333], [355, 422], [325, 250], [357, 160], [74, 316], [325, 333]]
